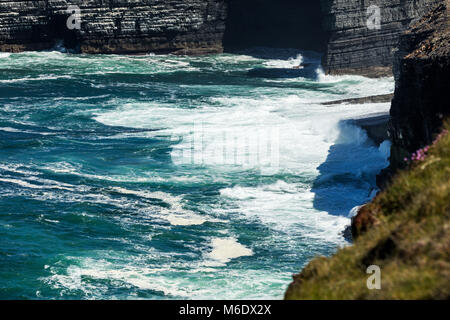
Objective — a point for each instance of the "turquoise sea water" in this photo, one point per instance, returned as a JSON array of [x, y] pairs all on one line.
[[100, 196]]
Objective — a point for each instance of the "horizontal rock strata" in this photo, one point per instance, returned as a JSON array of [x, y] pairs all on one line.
[[353, 47], [115, 26], [336, 27]]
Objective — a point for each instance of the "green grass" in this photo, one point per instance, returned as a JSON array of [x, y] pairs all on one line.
[[410, 241]]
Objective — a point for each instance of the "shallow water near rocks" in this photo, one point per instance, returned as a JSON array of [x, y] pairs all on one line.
[[99, 197]]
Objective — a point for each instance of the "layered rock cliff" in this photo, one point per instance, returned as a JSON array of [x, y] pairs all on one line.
[[115, 26], [336, 27], [422, 98], [357, 43], [346, 31]]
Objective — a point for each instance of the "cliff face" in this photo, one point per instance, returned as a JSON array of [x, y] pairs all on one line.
[[422, 72], [336, 27], [353, 47], [405, 230], [115, 26]]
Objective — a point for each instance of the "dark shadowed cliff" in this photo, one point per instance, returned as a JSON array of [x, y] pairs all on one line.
[[335, 27], [422, 97]]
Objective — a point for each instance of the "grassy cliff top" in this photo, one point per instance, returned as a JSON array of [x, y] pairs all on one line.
[[409, 239]]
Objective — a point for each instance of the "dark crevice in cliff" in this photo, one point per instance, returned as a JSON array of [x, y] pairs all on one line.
[[49, 34], [57, 30], [281, 23]]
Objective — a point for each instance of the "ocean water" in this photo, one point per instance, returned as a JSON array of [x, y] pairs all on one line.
[[104, 193]]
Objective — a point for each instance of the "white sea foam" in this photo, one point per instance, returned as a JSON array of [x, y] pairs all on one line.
[[226, 249], [9, 129], [288, 64], [316, 128], [185, 220], [166, 197], [358, 86], [21, 183], [18, 168], [26, 184], [175, 214], [51, 221], [136, 277], [49, 182], [87, 275], [40, 78], [286, 207], [63, 167], [14, 130], [307, 131]]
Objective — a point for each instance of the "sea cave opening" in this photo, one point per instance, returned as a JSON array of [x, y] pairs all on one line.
[[54, 32], [281, 23]]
